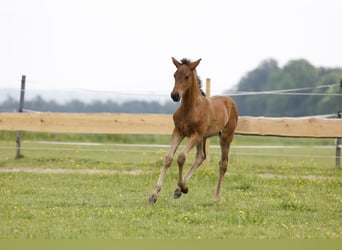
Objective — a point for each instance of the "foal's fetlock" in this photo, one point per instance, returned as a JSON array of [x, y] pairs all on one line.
[[185, 190], [179, 191]]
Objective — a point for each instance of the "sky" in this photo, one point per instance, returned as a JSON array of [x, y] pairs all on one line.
[[126, 46]]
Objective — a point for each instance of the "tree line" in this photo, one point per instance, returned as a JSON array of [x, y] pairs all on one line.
[[41, 105], [267, 76], [296, 74]]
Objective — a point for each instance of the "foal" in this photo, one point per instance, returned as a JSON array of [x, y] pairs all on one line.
[[197, 118]]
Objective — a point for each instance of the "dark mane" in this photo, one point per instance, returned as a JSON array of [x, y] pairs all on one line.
[[186, 61]]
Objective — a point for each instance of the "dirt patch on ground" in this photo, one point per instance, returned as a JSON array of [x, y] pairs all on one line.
[[139, 171], [306, 177], [70, 171]]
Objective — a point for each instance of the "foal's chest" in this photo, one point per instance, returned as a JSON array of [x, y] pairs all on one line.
[[188, 125]]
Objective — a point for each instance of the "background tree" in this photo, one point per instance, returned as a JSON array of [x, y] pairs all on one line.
[[295, 74], [267, 76]]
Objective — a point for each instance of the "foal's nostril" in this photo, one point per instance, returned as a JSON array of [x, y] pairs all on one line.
[[175, 97]]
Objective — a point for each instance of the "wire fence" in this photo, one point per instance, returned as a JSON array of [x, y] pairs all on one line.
[[246, 151], [294, 91], [158, 93]]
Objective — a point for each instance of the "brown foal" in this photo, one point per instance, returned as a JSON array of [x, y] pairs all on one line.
[[197, 118]]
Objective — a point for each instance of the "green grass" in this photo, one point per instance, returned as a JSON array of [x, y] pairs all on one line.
[[156, 139], [297, 197], [105, 138]]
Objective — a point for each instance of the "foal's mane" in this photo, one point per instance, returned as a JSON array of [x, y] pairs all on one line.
[[186, 61]]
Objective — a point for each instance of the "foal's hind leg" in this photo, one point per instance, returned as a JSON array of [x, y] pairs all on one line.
[[182, 182], [225, 141]]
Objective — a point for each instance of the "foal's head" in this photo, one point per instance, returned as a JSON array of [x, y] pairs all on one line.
[[185, 78]]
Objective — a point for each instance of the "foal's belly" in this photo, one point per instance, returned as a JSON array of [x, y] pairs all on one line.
[[219, 114]]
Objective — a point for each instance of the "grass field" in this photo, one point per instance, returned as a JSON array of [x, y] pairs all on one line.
[[101, 190]]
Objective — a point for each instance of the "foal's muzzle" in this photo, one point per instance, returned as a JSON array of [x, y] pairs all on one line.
[[175, 97]]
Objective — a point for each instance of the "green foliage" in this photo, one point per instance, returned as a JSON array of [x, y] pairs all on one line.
[[259, 76], [295, 74]]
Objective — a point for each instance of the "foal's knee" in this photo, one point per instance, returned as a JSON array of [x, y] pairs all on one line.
[[181, 159], [168, 161]]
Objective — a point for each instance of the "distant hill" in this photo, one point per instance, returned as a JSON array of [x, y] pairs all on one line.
[[64, 96], [91, 104]]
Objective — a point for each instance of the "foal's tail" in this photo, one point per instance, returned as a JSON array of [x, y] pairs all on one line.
[[233, 116]]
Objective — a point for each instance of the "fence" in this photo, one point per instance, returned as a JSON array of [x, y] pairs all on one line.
[[116, 123]]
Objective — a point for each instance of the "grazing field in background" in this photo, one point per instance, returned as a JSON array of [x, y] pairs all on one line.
[[100, 189]]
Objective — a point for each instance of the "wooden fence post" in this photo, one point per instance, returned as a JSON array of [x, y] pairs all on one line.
[[21, 109], [338, 140]]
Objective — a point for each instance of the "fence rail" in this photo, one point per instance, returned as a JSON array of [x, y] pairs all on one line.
[[120, 123]]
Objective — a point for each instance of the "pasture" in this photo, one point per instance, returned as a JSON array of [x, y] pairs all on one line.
[[100, 190]]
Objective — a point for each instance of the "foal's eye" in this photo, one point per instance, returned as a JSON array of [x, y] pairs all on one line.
[[186, 77]]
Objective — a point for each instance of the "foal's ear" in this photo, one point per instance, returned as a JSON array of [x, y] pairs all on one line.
[[193, 65], [176, 63]]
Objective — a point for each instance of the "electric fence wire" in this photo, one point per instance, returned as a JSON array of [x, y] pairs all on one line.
[[291, 92], [95, 148]]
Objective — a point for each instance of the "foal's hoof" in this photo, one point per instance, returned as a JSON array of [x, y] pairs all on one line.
[[179, 191], [152, 199], [177, 194]]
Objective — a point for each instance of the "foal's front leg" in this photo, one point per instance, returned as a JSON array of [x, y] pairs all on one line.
[[175, 141], [182, 188]]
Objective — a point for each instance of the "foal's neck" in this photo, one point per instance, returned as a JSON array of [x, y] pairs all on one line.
[[193, 94]]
